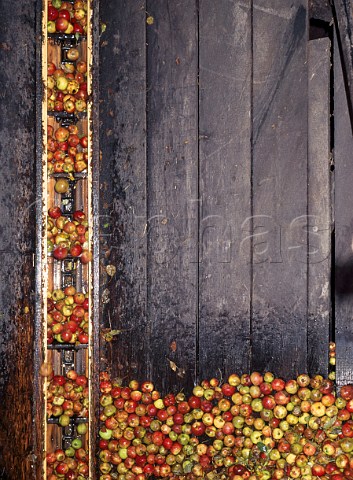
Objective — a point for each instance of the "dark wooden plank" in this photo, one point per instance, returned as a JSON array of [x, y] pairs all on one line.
[[172, 190], [18, 449], [320, 10], [343, 229], [279, 305], [319, 206], [122, 84], [225, 187], [344, 29]]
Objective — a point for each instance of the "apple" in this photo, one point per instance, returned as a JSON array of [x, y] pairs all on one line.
[[54, 212], [77, 28], [80, 105], [84, 141], [72, 54], [69, 106], [79, 14], [53, 13], [86, 256], [346, 392], [51, 26], [61, 185], [61, 24], [76, 250], [81, 66], [79, 298], [73, 87], [62, 134], [60, 253], [64, 13], [70, 29], [83, 338]]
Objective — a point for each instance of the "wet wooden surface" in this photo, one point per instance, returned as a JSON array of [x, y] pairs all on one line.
[[205, 158], [17, 239], [343, 230], [279, 303], [320, 224], [123, 187], [225, 187]]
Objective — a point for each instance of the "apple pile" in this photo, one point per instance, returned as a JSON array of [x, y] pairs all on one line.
[[67, 397], [67, 86], [66, 150], [68, 18], [68, 237], [67, 316], [71, 463], [250, 427]]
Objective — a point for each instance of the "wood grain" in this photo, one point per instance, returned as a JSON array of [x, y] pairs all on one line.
[[17, 241], [319, 206], [122, 175], [344, 30], [343, 228], [279, 305], [172, 169], [225, 187]]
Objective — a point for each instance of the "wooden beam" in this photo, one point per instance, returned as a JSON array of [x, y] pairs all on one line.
[[319, 205], [344, 27], [343, 218], [225, 187], [280, 164]]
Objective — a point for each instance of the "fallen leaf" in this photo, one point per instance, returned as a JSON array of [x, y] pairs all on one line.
[[173, 366], [111, 270], [173, 346], [149, 20]]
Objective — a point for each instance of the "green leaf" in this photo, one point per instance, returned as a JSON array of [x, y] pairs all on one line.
[[262, 447]]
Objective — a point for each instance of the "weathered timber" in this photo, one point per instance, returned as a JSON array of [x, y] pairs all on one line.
[[123, 200], [344, 29], [279, 303], [319, 206], [225, 187], [172, 192], [18, 451], [343, 228], [320, 10]]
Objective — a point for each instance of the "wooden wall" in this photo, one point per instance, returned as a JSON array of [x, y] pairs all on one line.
[[17, 238], [216, 189]]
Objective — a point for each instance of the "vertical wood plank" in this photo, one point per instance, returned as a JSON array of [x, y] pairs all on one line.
[[123, 187], [344, 28], [225, 186], [319, 206], [343, 228], [17, 240], [279, 307], [172, 191]]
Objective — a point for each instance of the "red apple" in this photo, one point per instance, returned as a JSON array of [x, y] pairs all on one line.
[[60, 253], [61, 24]]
